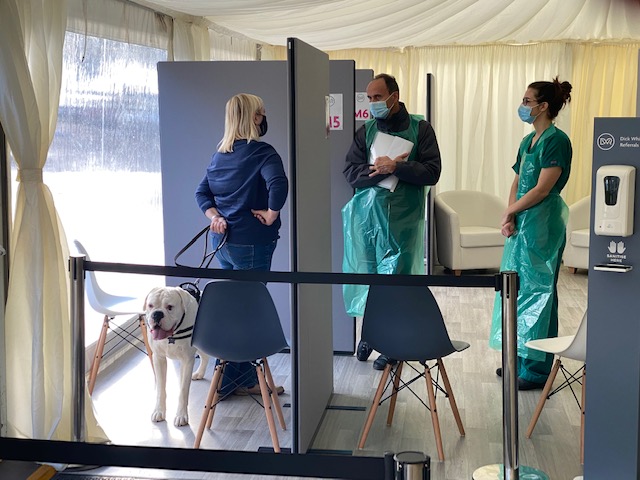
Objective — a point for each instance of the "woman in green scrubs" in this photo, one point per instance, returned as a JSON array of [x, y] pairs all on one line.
[[534, 224]]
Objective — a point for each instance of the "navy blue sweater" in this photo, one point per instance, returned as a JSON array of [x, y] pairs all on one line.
[[250, 177]]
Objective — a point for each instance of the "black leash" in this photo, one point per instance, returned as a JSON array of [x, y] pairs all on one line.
[[192, 287], [206, 257]]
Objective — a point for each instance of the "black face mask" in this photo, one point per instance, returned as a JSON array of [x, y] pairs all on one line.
[[263, 126]]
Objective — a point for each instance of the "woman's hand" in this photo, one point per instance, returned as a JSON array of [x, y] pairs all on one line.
[[218, 224], [507, 218], [266, 217], [508, 229]]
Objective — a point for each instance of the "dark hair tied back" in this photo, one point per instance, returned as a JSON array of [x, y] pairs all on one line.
[[557, 94]]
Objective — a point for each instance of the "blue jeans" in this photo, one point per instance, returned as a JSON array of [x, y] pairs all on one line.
[[242, 257], [246, 257]]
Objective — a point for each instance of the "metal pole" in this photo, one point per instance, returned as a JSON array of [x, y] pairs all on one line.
[[412, 466], [510, 469], [510, 375], [76, 275]]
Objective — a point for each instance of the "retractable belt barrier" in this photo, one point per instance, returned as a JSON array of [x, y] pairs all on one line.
[[299, 465]]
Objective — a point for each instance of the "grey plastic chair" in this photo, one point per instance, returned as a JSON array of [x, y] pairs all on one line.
[[406, 324], [238, 322]]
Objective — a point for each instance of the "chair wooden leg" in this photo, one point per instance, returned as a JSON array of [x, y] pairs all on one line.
[[543, 397], [213, 391], [394, 394], [374, 406], [582, 410], [274, 394], [452, 399], [434, 412], [572, 270], [264, 390], [97, 356], [145, 339], [214, 403]]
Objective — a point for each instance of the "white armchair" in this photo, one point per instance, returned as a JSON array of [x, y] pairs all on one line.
[[468, 230], [576, 251]]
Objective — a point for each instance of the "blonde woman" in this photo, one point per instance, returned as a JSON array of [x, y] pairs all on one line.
[[242, 193]]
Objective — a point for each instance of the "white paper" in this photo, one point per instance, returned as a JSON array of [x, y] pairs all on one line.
[[385, 145]]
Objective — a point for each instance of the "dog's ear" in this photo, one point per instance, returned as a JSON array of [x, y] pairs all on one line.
[[188, 302]]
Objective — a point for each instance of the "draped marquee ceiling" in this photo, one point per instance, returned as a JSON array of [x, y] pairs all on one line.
[[347, 24]]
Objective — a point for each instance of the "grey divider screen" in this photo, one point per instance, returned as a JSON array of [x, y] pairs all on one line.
[[363, 77], [192, 98], [613, 335], [311, 218], [342, 82]]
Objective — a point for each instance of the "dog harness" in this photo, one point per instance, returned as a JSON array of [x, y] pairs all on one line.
[[178, 335]]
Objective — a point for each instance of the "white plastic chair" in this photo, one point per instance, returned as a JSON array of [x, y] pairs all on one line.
[[573, 347], [111, 306]]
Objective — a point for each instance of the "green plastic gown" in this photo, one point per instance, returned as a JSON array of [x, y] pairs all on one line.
[[383, 230], [383, 233], [535, 250]]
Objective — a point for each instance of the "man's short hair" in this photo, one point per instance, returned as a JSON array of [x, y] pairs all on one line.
[[389, 81]]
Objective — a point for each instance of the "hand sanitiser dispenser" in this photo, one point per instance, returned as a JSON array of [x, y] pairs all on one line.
[[615, 192]]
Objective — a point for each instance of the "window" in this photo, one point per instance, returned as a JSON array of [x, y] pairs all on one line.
[[103, 167]]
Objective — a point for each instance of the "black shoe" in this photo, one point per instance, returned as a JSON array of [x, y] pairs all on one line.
[[522, 383], [381, 362], [363, 351], [527, 385]]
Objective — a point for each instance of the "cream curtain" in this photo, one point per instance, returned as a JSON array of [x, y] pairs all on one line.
[[226, 47], [605, 78], [37, 322], [190, 42], [478, 89]]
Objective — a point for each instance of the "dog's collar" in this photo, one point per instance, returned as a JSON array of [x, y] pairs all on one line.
[[178, 334]]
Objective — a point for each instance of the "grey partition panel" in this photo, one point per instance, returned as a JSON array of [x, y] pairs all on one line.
[[363, 77], [192, 98], [342, 82], [613, 335], [311, 219]]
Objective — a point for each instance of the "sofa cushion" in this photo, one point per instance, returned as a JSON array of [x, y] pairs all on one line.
[[580, 238], [471, 237]]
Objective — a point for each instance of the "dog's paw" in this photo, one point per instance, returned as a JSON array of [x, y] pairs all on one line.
[[157, 416], [181, 420], [198, 375]]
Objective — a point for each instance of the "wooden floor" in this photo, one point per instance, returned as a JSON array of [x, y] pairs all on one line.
[[124, 398]]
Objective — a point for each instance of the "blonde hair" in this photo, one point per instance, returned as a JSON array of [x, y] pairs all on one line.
[[238, 124]]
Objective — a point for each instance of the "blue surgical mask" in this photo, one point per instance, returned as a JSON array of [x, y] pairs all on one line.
[[380, 109], [524, 112]]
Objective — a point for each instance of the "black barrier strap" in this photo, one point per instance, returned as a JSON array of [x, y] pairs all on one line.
[[222, 461], [297, 277]]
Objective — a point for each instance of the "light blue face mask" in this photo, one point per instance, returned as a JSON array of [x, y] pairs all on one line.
[[524, 112], [380, 109]]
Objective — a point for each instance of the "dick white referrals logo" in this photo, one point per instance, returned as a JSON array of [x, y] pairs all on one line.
[[606, 141]]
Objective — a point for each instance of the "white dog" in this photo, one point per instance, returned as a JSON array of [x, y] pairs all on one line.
[[170, 313]]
